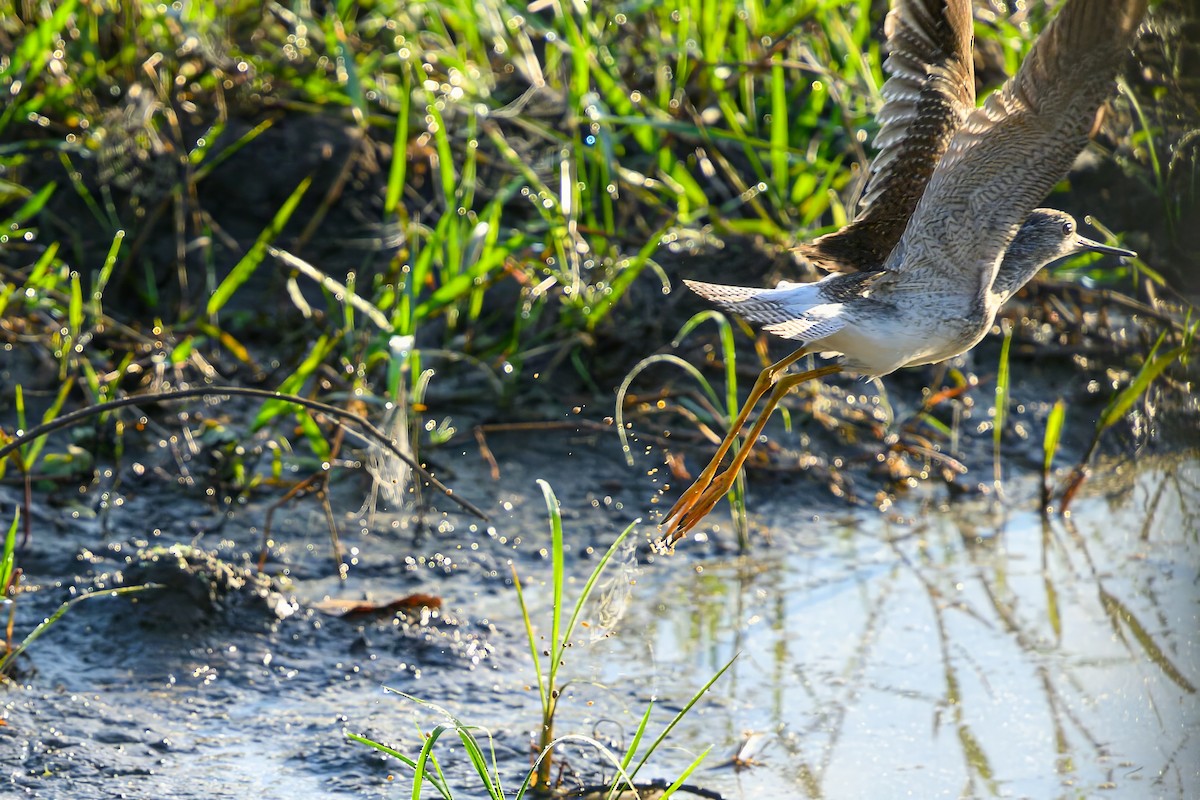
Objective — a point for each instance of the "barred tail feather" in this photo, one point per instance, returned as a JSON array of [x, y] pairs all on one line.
[[727, 297], [790, 311], [763, 306]]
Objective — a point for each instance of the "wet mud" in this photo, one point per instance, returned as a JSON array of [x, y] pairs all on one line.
[[951, 644]]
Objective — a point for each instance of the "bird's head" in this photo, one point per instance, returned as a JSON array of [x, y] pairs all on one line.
[[1046, 236]]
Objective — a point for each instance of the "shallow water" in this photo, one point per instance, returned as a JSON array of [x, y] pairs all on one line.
[[961, 657], [961, 649]]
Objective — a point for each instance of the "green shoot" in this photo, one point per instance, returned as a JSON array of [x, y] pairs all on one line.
[[1003, 394], [560, 638], [1054, 426], [7, 661]]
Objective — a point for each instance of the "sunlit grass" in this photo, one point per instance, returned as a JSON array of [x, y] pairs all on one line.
[[548, 151]]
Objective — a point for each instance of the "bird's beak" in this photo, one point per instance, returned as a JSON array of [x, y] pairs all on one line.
[[1084, 243]]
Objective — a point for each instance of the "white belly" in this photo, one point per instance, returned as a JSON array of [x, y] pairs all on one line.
[[879, 347]]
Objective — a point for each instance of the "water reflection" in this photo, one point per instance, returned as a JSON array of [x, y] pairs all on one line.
[[974, 653]]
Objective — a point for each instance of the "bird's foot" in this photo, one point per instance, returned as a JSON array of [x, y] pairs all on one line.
[[695, 503]]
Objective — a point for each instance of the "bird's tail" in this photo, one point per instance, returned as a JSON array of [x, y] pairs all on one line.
[[756, 305], [796, 311]]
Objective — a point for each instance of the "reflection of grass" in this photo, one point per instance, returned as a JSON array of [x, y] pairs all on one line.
[[539, 778], [978, 590]]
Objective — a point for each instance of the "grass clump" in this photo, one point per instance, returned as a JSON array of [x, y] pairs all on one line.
[[539, 780]]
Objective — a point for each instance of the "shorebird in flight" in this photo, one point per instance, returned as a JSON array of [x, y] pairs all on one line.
[[948, 228]]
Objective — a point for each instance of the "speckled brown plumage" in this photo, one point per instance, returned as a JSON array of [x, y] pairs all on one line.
[[1010, 152], [930, 92], [927, 289], [982, 171]]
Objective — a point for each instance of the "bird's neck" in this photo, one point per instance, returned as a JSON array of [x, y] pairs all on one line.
[[1011, 278]]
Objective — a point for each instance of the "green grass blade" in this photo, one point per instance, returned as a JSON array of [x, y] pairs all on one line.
[[445, 160], [478, 760], [245, 267], [48, 623], [779, 126], [682, 713], [233, 149], [31, 452], [11, 192], [556, 557], [347, 72], [640, 367], [474, 752], [399, 165], [1151, 369], [75, 307], [44, 274], [728, 352], [106, 271], [1003, 390], [408, 761], [674, 787], [294, 383], [423, 758], [543, 695], [634, 744], [629, 272], [30, 208], [1054, 426], [10, 546]]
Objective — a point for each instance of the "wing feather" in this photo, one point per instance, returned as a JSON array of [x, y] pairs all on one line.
[[808, 311], [930, 91], [1012, 150]]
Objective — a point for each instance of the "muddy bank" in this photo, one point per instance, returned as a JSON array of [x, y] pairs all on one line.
[[896, 650]]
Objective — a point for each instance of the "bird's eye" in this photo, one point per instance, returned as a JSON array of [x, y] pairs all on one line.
[[1068, 228]]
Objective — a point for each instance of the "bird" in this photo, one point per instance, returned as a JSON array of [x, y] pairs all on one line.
[[948, 228]]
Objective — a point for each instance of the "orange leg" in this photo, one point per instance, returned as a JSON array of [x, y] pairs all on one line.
[[766, 380], [702, 495]]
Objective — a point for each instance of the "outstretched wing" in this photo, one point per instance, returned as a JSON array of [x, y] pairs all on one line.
[[1011, 151], [930, 92]]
